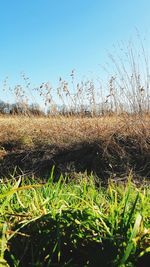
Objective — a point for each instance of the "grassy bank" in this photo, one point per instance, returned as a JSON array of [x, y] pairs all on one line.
[[74, 224], [107, 146]]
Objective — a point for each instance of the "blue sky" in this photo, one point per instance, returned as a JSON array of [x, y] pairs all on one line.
[[46, 39]]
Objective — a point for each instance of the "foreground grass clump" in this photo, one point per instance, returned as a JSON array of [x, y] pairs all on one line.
[[74, 223]]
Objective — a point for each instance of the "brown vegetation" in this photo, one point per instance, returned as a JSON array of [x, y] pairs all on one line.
[[108, 145]]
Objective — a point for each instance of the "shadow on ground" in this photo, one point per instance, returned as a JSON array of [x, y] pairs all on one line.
[[114, 159], [55, 242]]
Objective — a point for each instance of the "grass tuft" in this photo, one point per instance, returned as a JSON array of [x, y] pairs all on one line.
[[74, 224]]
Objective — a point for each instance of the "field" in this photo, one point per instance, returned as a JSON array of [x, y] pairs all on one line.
[[75, 190], [74, 180]]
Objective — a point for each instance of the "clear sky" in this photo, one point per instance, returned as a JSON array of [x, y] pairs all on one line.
[[46, 39]]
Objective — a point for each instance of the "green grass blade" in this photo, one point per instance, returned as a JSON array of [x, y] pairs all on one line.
[[133, 235]]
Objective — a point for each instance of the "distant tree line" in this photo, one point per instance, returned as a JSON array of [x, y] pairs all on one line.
[[20, 108], [101, 109]]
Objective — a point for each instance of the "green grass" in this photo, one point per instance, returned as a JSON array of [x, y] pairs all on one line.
[[73, 223]]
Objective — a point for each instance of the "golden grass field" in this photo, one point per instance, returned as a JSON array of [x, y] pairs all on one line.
[[67, 130]]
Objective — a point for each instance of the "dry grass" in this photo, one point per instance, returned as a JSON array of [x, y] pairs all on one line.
[[107, 146], [64, 131]]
